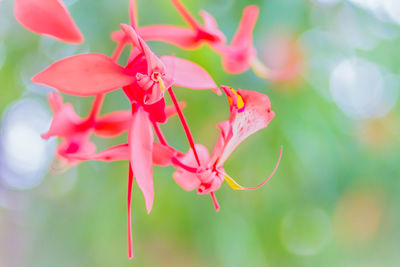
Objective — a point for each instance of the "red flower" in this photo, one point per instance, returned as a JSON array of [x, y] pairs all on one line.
[[250, 112]]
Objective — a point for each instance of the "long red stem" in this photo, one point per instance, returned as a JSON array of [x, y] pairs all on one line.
[[184, 124], [185, 14], [159, 133], [130, 182], [189, 137], [97, 103]]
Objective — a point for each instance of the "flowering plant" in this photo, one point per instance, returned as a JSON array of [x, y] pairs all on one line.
[[145, 79]]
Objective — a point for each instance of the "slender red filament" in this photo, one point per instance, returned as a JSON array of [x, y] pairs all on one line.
[[189, 137]]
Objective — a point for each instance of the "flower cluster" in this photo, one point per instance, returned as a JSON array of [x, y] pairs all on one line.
[[145, 79]]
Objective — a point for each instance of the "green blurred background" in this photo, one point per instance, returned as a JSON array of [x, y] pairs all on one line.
[[334, 200]]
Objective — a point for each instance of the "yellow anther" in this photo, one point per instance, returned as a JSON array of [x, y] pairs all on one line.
[[156, 76], [240, 102], [232, 183], [161, 83]]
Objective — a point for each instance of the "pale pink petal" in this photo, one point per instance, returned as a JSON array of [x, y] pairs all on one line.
[[256, 115], [48, 17], [185, 38], [84, 75], [188, 74], [64, 124], [119, 152], [162, 154], [141, 151], [187, 180], [113, 124], [119, 36], [225, 131]]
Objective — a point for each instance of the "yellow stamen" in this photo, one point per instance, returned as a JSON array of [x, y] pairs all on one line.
[[232, 183], [239, 100], [161, 83]]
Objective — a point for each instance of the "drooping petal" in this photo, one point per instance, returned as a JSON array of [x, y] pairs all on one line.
[[113, 124], [141, 150], [48, 17], [84, 75], [255, 115], [185, 38], [188, 74]]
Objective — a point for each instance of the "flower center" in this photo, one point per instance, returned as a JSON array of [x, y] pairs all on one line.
[[239, 101], [156, 77]]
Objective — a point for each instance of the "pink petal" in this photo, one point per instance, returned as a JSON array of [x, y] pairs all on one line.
[[65, 123], [55, 101], [211, 27], [119, 152], [153, 62], [182, 37], [256, 115], [141, 150], [244, 33], [162, 154], [84, 75], [188, 74], [187, 180], [48, 17], [119, 36], [113, 124]]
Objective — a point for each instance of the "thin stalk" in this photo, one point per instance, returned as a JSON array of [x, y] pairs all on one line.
[[184, 124], [159, 134], [189, 137], [185, 14], [130, 181]]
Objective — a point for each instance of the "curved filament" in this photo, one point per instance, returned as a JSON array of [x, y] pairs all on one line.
[[235, 186]]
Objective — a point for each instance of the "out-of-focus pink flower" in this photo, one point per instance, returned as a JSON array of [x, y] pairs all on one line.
[[283, 57], [48, 17], [236, 56], [75, 131], [250, 112]]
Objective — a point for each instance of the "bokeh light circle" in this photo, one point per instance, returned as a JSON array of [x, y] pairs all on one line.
[[305, 231]]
